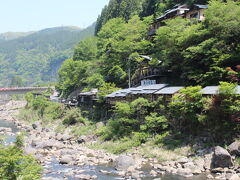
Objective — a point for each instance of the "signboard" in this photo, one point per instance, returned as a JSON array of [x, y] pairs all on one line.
[[147, 82]]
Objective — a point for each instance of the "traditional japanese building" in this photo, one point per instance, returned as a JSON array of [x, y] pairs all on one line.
[[195, 12]]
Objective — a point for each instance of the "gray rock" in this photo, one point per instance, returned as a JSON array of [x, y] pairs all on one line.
[[183, 160], [217, 170], [99, 125], [66, 137], [189, 165], [184, 172], [68, 152], [66, 159], [30, 150], [123, 162], [234, 177], [221, 158], [82, 139], [36, 125], [209, 176], [83, 176], [153, 173], [234, 148], [208, 161], [47, 144]]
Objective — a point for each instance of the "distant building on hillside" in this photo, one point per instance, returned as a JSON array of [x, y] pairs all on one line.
[[194, 12], [148, 74]]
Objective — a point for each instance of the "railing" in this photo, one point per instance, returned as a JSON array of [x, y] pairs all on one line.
[[148, 73], [23, 88]]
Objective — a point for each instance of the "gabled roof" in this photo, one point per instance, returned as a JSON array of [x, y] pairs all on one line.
[[181, 7], [169, 90]]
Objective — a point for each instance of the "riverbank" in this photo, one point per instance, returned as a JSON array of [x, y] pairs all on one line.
[[71, 151]]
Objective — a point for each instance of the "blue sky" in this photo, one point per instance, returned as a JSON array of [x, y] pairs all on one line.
[[31, 15]]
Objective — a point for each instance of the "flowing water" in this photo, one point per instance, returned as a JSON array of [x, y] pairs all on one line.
[[56, 170]]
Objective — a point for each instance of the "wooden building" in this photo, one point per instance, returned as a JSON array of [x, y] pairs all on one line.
[[149, 74], [88, 98], [195, 12]]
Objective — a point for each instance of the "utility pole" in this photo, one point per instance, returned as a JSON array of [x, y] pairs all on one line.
[[129, 76]]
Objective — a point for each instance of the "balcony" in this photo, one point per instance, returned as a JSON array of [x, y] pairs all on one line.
[[148, 73]]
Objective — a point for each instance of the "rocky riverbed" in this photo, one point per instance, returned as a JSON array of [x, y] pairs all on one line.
[[64, 156]]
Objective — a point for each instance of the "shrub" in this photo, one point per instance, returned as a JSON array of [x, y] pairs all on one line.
[[185, 108], [73, 116], [17, 165], [155, 124], [54, 111]]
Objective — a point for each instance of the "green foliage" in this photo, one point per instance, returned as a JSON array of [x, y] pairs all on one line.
[[54, 111], [195, 52], [155, 124], [73, 116], [124, 9], [185, 108], [40, 103], [19, 141], [94, 81], [117, 42], [35, 58], [73, 75], [117, 75], [106, 89], [16, 165], [86, 50], [136, 120], [16, 81]]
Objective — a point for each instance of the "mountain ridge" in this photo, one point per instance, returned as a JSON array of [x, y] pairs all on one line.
[[36, 57]]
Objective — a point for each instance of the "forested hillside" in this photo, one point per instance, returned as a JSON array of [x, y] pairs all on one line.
[[196, 53], [34, 58], [127, 8]]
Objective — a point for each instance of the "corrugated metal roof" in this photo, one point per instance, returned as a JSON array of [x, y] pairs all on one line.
[[210, 90], [201, 6], [152, 87], [169, 90], [238, 89], [86, 94]]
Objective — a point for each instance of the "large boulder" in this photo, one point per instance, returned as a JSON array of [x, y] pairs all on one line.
[[66, 159], [82, 139], [234, 177], [36, 124], [234, 148], [186, 172], [221, 158], [123, 162], [47, 144]]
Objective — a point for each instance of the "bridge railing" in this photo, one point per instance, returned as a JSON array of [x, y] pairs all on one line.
[[23, 88]]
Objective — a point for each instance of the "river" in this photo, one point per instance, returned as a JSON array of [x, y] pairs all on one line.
[[52, 168]]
